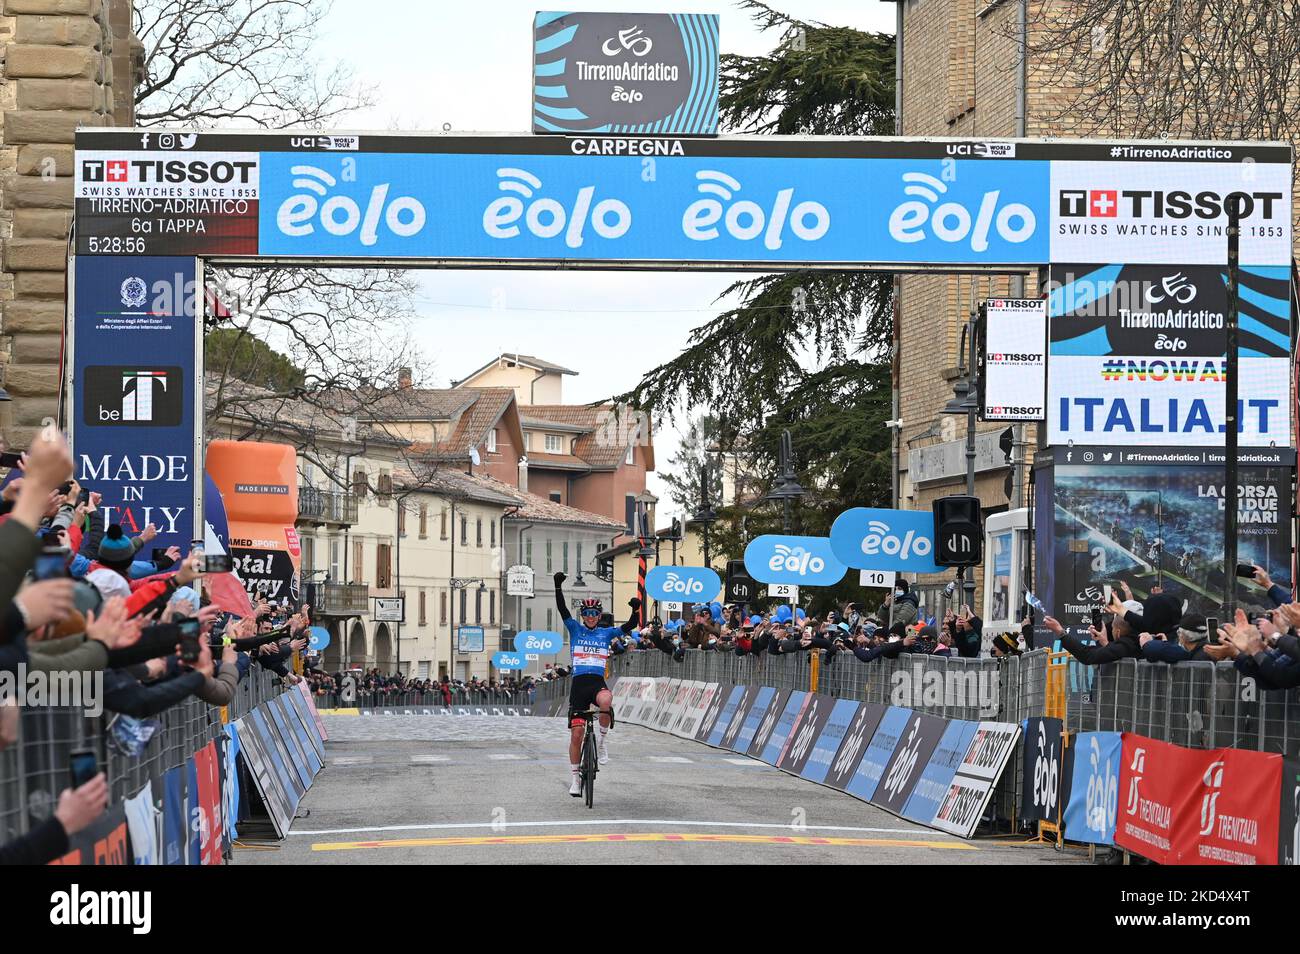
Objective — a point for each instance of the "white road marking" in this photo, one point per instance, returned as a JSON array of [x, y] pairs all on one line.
[[350, 759], [430, 758], [669, 758], [754, 762], [618, 821], [507, 757]]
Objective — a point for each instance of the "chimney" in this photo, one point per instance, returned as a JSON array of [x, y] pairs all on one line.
[[403, 378], [523, 474]]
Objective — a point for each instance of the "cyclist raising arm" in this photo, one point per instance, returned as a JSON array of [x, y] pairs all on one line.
[[589, 643]]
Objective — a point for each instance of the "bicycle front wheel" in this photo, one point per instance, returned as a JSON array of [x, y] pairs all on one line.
[[589, 768]]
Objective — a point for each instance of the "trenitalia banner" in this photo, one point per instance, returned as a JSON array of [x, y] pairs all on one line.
[[1196, 806], [592, 199], [625, 73], [259, 484], [1137, 355], [1150, 526], [133, 425]]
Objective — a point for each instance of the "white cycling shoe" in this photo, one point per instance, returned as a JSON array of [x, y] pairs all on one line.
[[602, 752], [575, 786]]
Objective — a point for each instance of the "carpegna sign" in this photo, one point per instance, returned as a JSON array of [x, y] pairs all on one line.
[[625, 73], [765, 200]]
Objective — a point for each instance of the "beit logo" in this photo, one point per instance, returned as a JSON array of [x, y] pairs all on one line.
[[134, 292], [150, 397]]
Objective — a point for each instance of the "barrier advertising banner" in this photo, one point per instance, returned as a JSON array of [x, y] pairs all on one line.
[[1288, 828], [827, 740], [259, 484], [763, 700], [1154, 776], [103, 842], [717, 712], [923, 804], [144, 821], [1094, 788], [133, 426], [625, 73], [729, 737], [774, 746], [910, 757], [848, 756], [878, 753], [804, 733], [971, 787], [1230, 817], [1013, 370], [205, 808], [174, 821], [1151, 526], [1043, 770], [766, 721], [1137, 356], [593, 198]]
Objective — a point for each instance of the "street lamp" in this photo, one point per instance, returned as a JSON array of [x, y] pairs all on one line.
[[706, 516], [965, 400], [786, 488]]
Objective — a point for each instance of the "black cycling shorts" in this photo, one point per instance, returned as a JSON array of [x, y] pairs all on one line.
[[582, 694]]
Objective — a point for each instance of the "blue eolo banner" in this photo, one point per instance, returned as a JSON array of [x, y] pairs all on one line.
[[135, 387], [1094, 788], [678, 584], [625, 73], [538, 641], [591, 199], [803, 561], [876, 539], [504, 660]]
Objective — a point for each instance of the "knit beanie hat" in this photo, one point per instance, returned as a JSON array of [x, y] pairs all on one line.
[[116, 549]]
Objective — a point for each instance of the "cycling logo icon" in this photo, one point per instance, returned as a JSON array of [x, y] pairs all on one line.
[[1175, 287], [632, 40]]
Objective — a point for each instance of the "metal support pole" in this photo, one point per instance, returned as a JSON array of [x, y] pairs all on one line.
[[968, 584], [1231, 415]]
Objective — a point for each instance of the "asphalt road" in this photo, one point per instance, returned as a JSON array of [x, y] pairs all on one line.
[[492, 790]]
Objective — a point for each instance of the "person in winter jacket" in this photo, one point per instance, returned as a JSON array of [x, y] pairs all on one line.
[[901, 606]]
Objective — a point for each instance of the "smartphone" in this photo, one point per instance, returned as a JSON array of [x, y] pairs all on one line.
[[1106, 592], [10, 460], [158, 553], [189, 630], [1096, 618], [83, 496], [217, 563], [1212, 628], [82, 766], [1245, 570], [52, 563]]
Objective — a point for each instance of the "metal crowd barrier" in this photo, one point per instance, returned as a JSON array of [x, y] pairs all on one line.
[[403, 700], [34, 771], [1193, 704]]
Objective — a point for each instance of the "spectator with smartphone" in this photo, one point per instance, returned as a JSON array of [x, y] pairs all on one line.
[[77, 809], [1115, 639], [1191, 643]]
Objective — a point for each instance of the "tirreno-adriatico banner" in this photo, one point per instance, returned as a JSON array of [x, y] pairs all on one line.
[[629, 73], [661, 202]]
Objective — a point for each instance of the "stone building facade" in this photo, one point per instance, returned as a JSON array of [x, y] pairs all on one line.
[[67, 63]]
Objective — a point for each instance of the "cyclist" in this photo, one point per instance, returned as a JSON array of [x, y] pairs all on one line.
[[590, 645]]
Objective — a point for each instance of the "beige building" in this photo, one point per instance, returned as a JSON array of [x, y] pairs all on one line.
[[533, 380]]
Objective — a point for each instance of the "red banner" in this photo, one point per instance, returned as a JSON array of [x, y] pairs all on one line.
[[1151, 777], [1196, 806], [1230, 816], [209, 802]]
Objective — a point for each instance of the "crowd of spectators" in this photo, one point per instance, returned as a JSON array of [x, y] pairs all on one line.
[[894, 628], [78, 596], [396, 687], [1260, 643]]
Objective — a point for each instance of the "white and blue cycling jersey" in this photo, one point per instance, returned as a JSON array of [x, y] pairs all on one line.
[[590, 647]]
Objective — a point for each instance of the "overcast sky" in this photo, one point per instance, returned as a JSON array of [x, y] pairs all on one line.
[[468, 66]]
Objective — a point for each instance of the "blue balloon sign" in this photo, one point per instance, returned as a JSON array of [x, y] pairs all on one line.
[[868, 539], [538, 641], [508, 660], [318, 637], [682, 584], [803, 561]]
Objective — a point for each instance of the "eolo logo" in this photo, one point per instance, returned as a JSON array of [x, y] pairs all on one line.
[[880, 539]]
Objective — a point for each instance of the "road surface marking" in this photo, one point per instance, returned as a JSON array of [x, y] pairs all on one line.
[[430, 758], [507, 757], [744, 761], [670, 758], [351, 760], [642, 836], [566, 823]]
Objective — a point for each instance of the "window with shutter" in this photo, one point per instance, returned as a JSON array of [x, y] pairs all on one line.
[[424, 521]]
